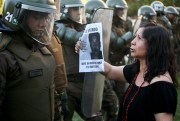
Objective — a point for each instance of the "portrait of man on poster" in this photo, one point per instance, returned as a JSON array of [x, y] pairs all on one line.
[[95, 44]]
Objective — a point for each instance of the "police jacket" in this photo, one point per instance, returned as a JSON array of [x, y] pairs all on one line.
[[26, 78]]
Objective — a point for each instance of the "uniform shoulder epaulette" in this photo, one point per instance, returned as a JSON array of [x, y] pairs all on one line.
[[4, 41]]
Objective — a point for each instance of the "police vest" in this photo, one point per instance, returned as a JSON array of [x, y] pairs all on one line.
[[28, 96]]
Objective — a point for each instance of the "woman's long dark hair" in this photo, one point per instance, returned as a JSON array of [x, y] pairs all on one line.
[[160, 56]]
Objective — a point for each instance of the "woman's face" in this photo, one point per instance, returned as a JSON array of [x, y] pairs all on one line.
[[138, 45]]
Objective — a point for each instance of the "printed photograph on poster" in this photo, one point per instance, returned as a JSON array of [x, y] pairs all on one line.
[[91, 57]]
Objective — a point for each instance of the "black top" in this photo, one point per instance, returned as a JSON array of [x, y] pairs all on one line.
[[155, 98]]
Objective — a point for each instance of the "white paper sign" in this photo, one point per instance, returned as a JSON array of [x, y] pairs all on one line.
[[91, 58]]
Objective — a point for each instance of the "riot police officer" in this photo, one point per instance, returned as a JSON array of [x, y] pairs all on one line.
[[178, 38], [121, 35], [70, 28], [91, 6], [145, 14], [110, 102], [178, 22], [172, 14], [27, 67], [159, 7]]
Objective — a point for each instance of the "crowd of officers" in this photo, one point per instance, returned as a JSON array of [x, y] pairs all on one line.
[[169, 17], [39, 71]]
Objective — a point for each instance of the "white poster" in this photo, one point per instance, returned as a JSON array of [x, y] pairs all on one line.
[[91, 58]]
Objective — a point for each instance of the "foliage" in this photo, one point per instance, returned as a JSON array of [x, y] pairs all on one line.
[[84, 1], [1, 6]]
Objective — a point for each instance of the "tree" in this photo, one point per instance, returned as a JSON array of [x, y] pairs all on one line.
[[1, 6]]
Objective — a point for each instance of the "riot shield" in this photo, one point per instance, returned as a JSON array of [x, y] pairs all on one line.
[[57, 14], [94, 82], [137, 24]]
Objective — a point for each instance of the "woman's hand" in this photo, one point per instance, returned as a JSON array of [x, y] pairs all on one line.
[[78, 46]]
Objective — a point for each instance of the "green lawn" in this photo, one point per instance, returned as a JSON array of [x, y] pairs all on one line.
[[76, 117], [176, 118]]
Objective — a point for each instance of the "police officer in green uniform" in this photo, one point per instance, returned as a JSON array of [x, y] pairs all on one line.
[[70, 28], [173, 16], [159, 7], [110, 102], [121, 35], [145, 14], [26, 66], [148, 14], [178, 36]]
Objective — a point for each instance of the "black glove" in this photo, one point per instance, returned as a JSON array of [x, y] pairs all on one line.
[[57, 107], [64, 103]]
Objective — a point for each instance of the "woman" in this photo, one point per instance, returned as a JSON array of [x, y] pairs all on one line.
[[151, 95]]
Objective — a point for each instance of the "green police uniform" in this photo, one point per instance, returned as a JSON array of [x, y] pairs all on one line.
[[121, 36], [27, 66], [75, 79], [172, 14], [27, 81]]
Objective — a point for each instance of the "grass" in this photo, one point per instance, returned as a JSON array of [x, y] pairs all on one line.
[[176, 118], [76, 117]]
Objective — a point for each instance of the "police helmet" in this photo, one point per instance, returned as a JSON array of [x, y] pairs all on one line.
[[171, 10], [118, 5], [91, 6], [65, 5], [146, 12], [158, 6], [178, 9], [16, 12]]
